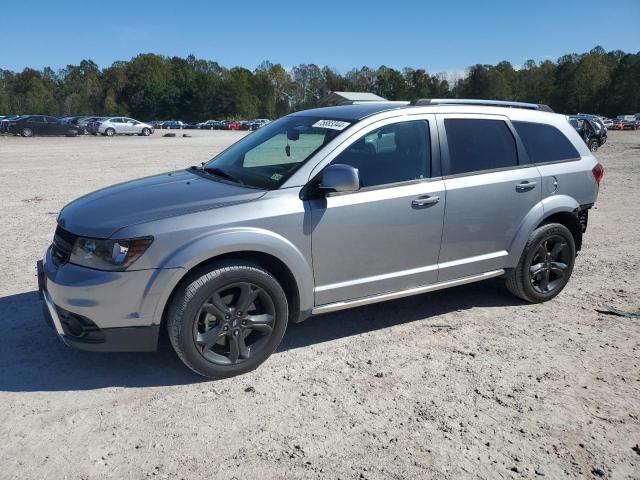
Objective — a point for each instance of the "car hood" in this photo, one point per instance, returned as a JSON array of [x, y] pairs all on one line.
[[101, 213]]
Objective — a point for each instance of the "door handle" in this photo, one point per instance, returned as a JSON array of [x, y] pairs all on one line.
[[425, 201], [525, 186]]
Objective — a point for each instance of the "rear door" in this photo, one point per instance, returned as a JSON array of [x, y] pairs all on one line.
[[556, 158], [490, 187], [117, 124], [52, 126], [37, 124]]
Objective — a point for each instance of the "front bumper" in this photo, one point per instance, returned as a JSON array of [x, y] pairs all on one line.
[[102, 311]]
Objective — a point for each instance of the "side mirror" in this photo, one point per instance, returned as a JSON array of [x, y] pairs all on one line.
[[340, 178]]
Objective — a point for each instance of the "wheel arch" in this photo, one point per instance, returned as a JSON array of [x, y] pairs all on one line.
[[266, 249], [270, 263], [556, 208], [569, 220]]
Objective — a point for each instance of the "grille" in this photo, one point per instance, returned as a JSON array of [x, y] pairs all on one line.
[[63, 242]]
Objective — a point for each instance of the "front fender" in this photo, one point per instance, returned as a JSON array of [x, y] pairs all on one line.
[[541, 210], [239, 239]]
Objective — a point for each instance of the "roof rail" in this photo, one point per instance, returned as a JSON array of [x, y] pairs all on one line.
[[487, 103]]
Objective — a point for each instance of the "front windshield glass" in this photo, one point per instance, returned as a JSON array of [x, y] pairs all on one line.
[[269, 156]]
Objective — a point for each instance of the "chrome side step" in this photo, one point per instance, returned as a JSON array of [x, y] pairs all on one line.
[[334, 307]]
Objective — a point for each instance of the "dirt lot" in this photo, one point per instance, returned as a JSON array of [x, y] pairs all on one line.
[[463, 383]]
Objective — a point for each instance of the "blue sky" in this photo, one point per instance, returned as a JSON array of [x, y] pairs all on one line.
[[438, 36]]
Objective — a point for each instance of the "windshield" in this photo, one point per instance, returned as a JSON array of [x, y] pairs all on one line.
[[269, 156]]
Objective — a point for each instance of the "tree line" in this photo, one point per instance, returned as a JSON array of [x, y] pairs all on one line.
[[152, 86]]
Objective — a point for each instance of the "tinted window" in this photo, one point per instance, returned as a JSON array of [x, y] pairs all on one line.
[[476, 145], [37, 119], [51, 119], [394, 153], [545, 143]]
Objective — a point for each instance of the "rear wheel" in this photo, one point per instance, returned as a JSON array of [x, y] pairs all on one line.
[[109, 132], [545, 265], [593, 145], [228, 319], [27, 132]]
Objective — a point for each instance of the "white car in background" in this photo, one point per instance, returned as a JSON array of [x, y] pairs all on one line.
[[123, 125]]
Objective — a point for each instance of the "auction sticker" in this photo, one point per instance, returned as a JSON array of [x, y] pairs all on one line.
[[331, 124]]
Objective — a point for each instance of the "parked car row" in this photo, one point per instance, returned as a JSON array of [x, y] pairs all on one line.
[[30, 125], [626, 122], [211, 124], [593, 128]]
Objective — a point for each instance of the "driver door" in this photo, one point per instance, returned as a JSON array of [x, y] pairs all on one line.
[[386, 236]]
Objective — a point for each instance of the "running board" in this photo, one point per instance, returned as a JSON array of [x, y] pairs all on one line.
[[358, 302]]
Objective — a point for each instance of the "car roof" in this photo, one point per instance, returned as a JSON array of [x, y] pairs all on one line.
[[359, 111], [352, 112]]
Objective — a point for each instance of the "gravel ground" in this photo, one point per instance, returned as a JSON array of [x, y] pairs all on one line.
[[462, 383]]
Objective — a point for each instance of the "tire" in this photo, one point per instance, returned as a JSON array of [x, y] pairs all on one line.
[[551, 238], [593, 145], [145, 132], [210, 335], [109, 132], [26, 132]]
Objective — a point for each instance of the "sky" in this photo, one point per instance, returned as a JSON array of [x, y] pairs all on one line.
[[442, 36]]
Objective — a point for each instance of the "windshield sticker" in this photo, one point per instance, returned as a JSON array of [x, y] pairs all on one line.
[[276, 177], [331, 124]]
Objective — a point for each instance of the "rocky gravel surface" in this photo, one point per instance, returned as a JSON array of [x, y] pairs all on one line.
[[463, 383]]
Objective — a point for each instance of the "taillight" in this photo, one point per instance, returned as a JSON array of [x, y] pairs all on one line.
[[598, 172]]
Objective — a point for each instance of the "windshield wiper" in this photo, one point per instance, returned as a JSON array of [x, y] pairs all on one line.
[[221, 173]]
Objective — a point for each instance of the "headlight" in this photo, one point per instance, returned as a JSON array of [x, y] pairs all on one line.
[[108, 254]]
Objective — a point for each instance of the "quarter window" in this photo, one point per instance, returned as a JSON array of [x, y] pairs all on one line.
[[545, 143], [478, 144], [391, 154]]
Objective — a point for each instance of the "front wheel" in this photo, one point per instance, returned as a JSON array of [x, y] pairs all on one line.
[[146, 132], [27, 132], [227, 319], [545, 265], [593, 145], [109, 132]]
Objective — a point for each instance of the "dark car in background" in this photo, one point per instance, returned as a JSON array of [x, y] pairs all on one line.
[[31, 125], [173, 125], [75, 121], [4, 123], [93, 124], [85, 123], [591, 132], [597, 124]]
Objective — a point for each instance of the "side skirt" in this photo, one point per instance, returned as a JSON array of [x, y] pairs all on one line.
[[334, 307]]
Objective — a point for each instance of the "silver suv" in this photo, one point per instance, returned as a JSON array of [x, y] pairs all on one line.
[[319, 211]]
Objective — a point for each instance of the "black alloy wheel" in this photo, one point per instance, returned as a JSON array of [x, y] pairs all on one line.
[[549, 264], [235, 323]]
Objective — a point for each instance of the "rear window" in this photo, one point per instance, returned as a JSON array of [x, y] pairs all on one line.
[[477, 144], [545, 143]]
